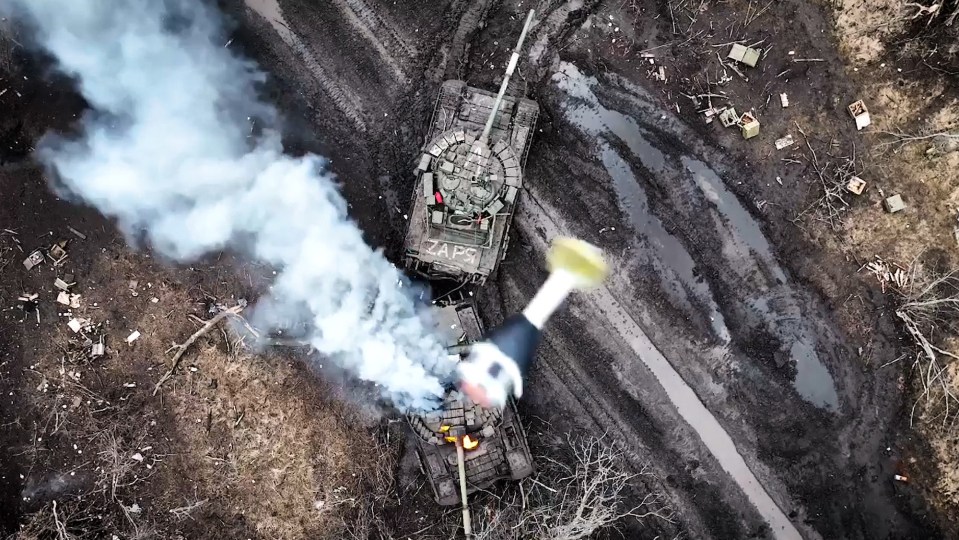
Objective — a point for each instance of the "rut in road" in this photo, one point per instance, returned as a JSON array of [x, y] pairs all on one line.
[[541, 223], [369, 26], [347, 102]]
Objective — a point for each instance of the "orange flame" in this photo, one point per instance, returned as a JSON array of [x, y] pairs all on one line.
[[470, 443]]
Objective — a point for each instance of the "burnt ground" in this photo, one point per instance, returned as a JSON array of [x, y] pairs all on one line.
[[778, 337]]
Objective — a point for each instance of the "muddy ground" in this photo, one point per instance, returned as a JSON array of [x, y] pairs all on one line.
[[716, 281]]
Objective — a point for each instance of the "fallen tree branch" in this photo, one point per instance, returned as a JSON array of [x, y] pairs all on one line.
[[182, 347], [931, 307], [902, 138]]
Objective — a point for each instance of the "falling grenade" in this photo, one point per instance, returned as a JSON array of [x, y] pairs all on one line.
[[496, 366]]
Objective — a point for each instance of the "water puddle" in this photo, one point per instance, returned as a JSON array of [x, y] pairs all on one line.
[[675, 265], [813, 380], [541, 217], [745, 245], [743, 227], [672, 262]]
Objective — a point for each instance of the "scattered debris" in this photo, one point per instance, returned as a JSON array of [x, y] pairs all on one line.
[[133, 287], [784, 100], [885, 274], [62, 285], [746, 55], [64, 298], [856, 185], [894, 203], [28, 303], [729, 117], [75, 325], [58, 252], [98, 349], [900, 478], [133, 337], [137, 457], [33, 259], [784, 142], [76, 232], [860, 113], [748, 125]]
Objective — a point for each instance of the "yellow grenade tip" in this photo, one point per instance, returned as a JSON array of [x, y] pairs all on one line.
[[582, 259]]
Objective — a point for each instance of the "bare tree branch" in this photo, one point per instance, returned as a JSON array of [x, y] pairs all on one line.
[[571, 502]]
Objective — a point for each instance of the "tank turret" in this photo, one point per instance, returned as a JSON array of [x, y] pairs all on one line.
[[469, 176]]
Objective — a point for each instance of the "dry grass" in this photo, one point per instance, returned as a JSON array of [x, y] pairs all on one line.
[[921, 170], [261, 441], [945, 447], [864, 26], [254, 444], [903, 155]]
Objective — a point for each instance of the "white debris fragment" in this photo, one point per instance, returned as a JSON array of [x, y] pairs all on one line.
[[75, 301], [75, 325], [133, 337], [856, 185], [97, 350], [784, 99], [860, 113], [60, 284], [784, 142], [137, 457], [130, 385], [63, 298], [33, 259]]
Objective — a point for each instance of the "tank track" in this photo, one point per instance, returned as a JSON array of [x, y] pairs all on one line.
[[383, 30]]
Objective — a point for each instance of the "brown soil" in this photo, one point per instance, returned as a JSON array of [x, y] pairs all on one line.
[[253, 444], [270, 450]]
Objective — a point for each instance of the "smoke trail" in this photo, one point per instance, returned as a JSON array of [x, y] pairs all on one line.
[[167, 153]]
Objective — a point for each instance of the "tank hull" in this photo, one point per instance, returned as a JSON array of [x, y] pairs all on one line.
[[436, 246], [502, 452]]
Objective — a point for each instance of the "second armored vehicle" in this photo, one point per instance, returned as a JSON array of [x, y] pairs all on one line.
[[494, 440]]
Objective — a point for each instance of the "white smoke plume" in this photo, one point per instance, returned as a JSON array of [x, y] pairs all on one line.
[[166, 151]]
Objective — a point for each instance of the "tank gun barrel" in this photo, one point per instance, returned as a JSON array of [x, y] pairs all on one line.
[[514, 59]]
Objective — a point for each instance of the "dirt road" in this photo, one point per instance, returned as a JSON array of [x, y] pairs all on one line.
[[800, 430], [709, 352]]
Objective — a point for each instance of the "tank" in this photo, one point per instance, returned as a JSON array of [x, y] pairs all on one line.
[[501, 451], [469, 177]]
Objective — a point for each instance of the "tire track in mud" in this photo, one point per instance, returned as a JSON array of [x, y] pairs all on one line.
[[346, 102], [613, 413], [458, 48], [380, 26], [540, 223], [370, 26], [765, 299]]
